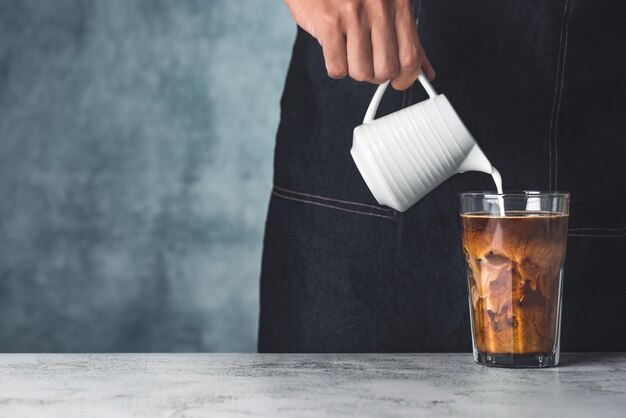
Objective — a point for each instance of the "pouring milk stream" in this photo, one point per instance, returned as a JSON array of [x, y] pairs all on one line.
[[408, 153]]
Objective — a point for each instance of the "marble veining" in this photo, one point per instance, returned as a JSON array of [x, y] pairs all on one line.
[[289, 385]]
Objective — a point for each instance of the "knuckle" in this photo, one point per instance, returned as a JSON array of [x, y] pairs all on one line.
[[336, 71], [361, 74], [330, 20], [381, 9], [352, 7], [402, 5], [389, 70], [409, 59], [336, 75], [400, 85]]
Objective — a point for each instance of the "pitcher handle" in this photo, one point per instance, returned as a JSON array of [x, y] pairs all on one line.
[[373, 107]]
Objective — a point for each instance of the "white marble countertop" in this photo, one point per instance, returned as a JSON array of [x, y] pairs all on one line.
[[310, 385]]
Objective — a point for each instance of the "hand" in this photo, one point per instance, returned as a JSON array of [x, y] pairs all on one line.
[[369, 40]]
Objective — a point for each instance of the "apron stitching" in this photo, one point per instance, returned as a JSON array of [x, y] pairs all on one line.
[[556, 84], [558, 108], [556, 87], [596, 236], [332, 206], [598, 232], [330, 199], [596, 229]]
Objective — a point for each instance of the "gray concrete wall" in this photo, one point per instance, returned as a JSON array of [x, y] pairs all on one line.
[[136, 143]]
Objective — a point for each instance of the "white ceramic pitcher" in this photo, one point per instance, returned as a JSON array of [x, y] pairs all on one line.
[[406, 154]]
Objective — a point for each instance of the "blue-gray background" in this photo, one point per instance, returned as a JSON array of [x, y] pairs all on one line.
[[136, 145]]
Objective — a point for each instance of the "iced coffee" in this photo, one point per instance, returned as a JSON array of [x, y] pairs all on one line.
[[515, 265]]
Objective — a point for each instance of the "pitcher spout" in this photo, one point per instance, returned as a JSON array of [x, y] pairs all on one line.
[[476, 160]]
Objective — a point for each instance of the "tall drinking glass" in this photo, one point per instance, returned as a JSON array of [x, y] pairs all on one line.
[[514, 245]]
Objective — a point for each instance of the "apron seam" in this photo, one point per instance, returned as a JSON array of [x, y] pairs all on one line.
[[595, 236], [330, 206], [597, 229], [558, 94], [558, 108], [590, 232], [348, 202]]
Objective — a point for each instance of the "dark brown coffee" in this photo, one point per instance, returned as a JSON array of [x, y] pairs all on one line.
[[514, 266]]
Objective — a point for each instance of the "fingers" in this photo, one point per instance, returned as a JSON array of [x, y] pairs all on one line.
[[384, 47], [360, 65], [374, 42], [335, 55], [427, 67], [409, 50]]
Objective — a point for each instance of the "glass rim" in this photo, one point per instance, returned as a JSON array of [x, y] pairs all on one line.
[[514, 193]]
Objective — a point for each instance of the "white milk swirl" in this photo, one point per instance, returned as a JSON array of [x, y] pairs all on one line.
[[497, 178]]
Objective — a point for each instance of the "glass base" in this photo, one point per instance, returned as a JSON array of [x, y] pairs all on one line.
[[517, 361]]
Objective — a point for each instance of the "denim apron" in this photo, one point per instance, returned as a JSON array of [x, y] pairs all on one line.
[[541, 86]]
